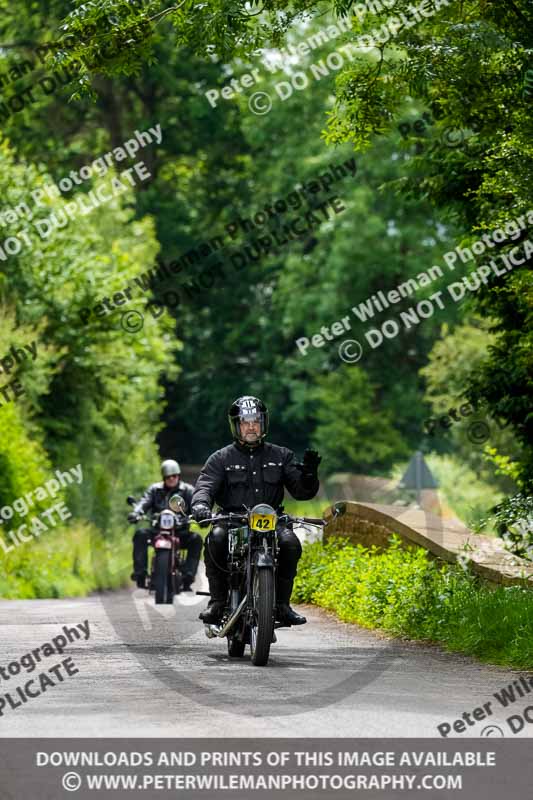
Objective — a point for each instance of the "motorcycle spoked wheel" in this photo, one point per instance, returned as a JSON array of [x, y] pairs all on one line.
[[163, 581], [262, 623]]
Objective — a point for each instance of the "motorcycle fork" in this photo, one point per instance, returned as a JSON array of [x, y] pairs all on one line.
[[176, 563], [172, 565], [250, 564]]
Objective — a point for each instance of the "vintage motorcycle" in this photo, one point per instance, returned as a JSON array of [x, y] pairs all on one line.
[[166, 571], [249, 616]]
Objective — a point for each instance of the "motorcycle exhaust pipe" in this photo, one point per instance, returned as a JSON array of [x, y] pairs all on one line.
[[231, 621]]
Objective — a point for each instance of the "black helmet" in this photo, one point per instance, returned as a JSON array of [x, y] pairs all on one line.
[[169, 467], [248, 408]]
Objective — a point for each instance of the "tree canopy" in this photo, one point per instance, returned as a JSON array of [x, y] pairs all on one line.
[[432, 109]]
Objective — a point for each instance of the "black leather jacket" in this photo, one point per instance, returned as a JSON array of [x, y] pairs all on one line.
[[156, 497], [238, 476]]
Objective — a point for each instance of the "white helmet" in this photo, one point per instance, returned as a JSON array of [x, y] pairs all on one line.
[[170, 467]]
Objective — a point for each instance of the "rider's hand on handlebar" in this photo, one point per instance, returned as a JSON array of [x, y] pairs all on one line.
[[133, 517], [201, 512]]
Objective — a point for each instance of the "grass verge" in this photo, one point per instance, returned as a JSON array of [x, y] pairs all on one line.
[[68, 562], [406, 593]]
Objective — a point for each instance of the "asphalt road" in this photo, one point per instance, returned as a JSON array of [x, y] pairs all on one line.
[[151, 671]]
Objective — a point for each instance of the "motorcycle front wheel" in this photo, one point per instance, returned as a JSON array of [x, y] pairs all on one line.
[[164, 590], [262, 625]]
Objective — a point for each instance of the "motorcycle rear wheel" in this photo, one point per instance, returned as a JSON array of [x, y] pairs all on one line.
[[262, 626], [163, 583]]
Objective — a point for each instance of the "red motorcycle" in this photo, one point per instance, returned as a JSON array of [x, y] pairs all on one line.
[[166, 570]]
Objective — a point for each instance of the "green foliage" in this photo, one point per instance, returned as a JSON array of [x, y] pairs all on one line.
[[100, 396], [469, 62], [257, 314], [451, 360], [24, 464], [352, 432], [94, 395], [404, 592], [450, 364], [378, 242]]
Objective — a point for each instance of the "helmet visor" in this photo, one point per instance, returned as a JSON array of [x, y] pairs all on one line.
[[250, 427]]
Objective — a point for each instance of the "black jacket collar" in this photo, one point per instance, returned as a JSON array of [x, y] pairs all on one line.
[[243, 448]]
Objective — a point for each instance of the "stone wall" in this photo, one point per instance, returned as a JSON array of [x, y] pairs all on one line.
[[369, 524]]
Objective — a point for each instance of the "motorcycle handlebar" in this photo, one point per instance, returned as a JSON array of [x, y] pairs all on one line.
[[183, 519], [235, 517], [310, 520]]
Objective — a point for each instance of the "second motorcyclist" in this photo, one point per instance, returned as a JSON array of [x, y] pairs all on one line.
[[156, 499]]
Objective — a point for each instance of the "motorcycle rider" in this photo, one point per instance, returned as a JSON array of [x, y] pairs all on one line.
[[156, 499], [245, 473]]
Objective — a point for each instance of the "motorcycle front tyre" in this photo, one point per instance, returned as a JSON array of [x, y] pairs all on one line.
[[262, 626], [164, 590]]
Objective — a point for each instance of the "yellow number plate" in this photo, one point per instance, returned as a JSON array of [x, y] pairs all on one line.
[[263, 522]]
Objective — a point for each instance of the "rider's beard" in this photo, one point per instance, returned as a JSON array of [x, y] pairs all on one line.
[[251, 442]]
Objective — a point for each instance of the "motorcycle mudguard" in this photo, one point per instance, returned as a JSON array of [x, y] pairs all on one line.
[[264, 560]]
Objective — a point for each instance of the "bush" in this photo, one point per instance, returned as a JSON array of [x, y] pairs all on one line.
[[24, 464], [407, 593]]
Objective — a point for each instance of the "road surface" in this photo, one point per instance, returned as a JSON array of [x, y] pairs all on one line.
[[151, 671]]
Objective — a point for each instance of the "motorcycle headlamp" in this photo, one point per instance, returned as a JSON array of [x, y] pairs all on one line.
[[166, 520]]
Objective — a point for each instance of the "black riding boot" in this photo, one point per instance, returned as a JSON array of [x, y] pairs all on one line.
[[215, 556], [284, 613], [140, 556], [218, 589]]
